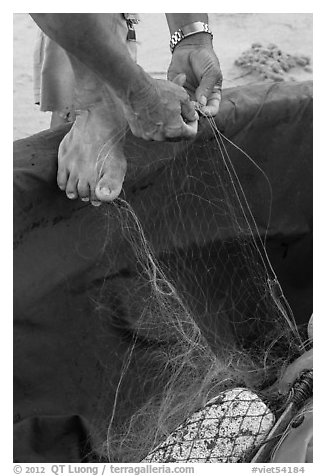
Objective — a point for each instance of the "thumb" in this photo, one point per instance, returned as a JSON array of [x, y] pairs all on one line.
[[205, 88], [188, 111], [180, 79]]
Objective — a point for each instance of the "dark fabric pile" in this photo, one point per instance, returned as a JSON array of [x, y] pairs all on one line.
[[67, 355]]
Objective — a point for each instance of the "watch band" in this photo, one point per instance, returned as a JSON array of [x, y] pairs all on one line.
[[188, 30]]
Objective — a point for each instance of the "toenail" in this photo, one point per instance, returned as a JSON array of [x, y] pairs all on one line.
[[71, 195], [85, 199], [106, 191], [95, 203]]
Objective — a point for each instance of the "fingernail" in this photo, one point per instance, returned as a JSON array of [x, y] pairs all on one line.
[[70, 195], [203, 100]]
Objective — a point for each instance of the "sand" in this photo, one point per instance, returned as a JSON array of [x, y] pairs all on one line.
[[233, 33]]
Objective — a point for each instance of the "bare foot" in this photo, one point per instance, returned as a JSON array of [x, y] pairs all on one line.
[[91, 162]]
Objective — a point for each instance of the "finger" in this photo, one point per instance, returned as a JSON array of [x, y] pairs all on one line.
[[188, 111], [304, 362], [155, 135], [176, 133], [212, 107], [213, 103], [310, 328], [181, 130], [206, 87], [189, 131], [211, 110], [180, 79]]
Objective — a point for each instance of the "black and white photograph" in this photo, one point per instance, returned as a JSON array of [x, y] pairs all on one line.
[[163, 241]]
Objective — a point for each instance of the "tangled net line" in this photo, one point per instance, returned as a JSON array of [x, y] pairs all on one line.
[[203, 309]]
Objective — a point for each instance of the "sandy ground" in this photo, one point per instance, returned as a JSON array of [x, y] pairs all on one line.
[[233, 33]]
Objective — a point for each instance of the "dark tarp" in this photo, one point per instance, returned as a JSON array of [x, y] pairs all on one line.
[[67, 358]]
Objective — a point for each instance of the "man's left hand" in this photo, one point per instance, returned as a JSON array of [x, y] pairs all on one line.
[[203, 74]]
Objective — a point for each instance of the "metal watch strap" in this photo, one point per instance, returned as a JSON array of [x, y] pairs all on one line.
[[188, 30], [131, 20]]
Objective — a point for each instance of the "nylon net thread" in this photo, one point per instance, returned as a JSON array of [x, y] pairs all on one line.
[[202, 307]]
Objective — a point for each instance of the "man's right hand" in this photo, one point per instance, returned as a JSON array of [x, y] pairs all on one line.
[[155, 109], [162, 110]]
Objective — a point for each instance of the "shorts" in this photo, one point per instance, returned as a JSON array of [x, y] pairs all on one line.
[[54, 77]]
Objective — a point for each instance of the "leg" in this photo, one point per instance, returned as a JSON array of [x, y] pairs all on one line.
[[91, 162], [57, 119]]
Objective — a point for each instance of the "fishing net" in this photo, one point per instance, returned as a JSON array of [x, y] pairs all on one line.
[[201, 304], [132, 317], [228, 428]]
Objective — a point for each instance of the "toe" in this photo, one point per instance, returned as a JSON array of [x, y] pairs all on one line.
[[62, 177], [110, 184], [94, 200], [71, 188], [83, 190], [63, 162]]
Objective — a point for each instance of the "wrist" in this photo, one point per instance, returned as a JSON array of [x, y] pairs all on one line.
[[198, 31], [134, 82], [178, 20], [200, 39], [139, 85]]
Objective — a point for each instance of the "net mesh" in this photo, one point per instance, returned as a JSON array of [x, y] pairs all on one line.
[[225, 431], [196, 297]]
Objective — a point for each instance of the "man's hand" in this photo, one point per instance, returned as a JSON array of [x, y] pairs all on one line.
[[304, 362], [155, 110], [293, 371], [162, 110], [203, 74]]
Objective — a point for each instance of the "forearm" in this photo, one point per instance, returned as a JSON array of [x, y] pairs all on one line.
[[91, 38], [178, 20]]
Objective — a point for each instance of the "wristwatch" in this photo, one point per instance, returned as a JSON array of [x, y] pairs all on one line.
[[188, 30]]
